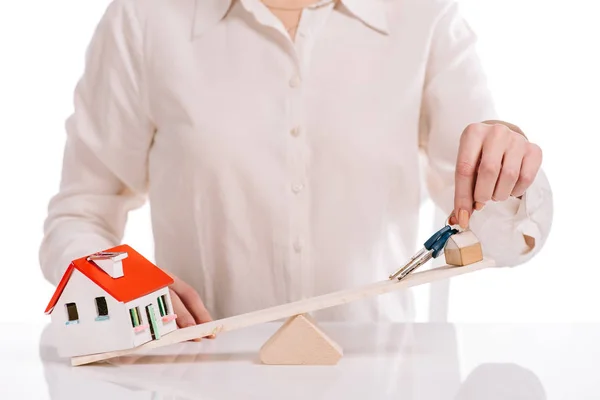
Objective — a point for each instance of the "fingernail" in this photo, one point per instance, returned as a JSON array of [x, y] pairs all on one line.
[[463, 219], [452, 220], [479, 206]]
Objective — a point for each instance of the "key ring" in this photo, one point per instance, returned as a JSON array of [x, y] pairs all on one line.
[[456, 226]]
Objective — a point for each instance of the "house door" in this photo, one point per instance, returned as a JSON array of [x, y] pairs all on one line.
[[152, 319]]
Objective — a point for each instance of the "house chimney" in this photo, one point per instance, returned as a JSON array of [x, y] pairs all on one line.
[[109, 262]]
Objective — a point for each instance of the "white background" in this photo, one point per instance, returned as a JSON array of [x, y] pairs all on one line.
[[543, 62]]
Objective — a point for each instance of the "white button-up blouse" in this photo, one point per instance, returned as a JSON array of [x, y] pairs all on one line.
[[277, 169]]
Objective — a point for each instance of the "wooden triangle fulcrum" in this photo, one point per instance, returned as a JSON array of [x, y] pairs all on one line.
[[299, 341]]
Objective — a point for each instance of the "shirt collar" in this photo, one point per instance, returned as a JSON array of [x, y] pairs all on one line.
[[371, 12], [209, 12]]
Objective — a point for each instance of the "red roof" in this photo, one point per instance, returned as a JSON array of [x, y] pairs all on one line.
[[141, 277]]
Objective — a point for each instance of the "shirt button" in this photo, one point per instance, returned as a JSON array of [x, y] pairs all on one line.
[[297, 188], [295, 81], [295, 131]]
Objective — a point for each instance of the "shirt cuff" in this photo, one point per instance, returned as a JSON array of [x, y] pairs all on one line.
[[514, 230], [532, 200]]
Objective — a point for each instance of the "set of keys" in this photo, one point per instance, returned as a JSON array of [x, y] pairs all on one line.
[[432, 248]]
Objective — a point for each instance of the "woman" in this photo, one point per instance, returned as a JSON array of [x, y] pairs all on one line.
[[278, 144]]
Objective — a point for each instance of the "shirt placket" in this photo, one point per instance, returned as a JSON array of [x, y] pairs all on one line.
[[302, 269], [298, 179], [299, 186]]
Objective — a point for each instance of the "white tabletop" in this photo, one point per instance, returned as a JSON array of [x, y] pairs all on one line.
[[397, 361]]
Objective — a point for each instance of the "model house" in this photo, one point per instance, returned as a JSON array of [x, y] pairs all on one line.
[[108, 301]]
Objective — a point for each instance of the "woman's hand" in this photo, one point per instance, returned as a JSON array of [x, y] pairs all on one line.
[[494, 162], [188, 305]]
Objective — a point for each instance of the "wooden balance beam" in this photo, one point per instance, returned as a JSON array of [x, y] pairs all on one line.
[[297, 308]]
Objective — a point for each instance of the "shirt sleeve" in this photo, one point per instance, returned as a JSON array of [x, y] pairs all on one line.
[[109, 135], [455, 95]]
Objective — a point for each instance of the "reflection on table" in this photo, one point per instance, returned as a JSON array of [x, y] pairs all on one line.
[[396, 361]]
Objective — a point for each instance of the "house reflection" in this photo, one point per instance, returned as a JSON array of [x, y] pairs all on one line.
[[501, 382]]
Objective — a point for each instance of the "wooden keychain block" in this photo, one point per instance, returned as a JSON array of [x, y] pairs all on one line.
[[462, 249], [299, 341]]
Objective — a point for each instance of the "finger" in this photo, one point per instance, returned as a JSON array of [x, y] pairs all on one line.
[[530, 166], [469, 153], [511, 169], [192, 301], [494, 148], [184, 317]]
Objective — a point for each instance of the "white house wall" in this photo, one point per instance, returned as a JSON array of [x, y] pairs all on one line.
[[169, 326], [142, 302], [90, 336]]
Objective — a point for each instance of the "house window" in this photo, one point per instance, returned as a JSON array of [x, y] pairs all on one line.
[[162, 305], [136, 317], [101, 308], [72, 314]]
